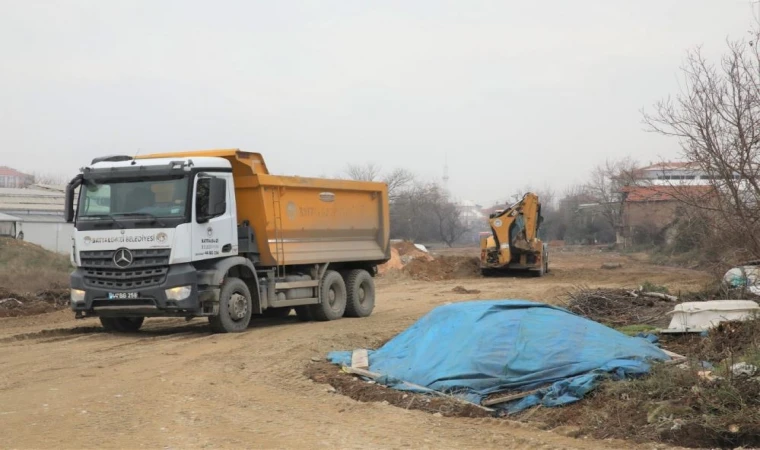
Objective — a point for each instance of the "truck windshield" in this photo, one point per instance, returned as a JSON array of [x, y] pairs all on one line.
[[152, 198]]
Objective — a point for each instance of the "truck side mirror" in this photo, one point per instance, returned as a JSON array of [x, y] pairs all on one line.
[[211, 198], [70, 191]]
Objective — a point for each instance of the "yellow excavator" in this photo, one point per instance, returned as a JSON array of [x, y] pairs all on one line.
[[514, 242]]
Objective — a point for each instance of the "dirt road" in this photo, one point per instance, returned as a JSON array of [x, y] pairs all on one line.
[[66, 384]]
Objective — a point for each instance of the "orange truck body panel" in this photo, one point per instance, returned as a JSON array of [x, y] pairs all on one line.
[[300, 220]]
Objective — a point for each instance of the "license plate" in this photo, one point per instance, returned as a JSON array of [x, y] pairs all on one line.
[[123, 295]]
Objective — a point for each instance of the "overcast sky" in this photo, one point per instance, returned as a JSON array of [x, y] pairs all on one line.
[[513, 92]]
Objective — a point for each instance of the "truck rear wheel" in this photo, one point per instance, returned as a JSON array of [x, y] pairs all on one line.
[[360, 288], [332, 298], [235, 308], [122, 324]]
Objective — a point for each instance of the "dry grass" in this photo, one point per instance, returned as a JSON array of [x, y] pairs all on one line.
[[32, 279], [26, 267]]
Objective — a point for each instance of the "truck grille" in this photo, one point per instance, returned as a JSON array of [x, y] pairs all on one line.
[[149, 268]]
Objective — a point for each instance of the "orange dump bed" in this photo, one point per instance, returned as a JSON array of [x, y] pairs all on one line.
[[307, 220]]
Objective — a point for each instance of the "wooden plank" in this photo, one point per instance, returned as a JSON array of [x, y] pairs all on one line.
[[670, 298], [375, 375], [675, 358], [360, 359], [672, 355], [508, 398]]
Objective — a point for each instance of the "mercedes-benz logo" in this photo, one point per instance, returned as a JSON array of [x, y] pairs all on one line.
[[123, 258]]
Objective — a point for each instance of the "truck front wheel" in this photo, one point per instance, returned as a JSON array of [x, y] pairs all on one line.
[[235, 308], [122, 324], [332, 297], [361, 293]]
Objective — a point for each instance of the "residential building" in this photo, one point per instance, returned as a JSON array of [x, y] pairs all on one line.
[[672, 173], [12, 178], [656, 200]]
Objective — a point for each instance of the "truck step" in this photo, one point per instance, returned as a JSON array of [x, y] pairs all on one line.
[[293, 302]]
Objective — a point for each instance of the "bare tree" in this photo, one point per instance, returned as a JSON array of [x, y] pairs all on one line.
[[606, 185], [48, 179], [451, 227], [716, 119], [420, 211], [367, 172], [398, 181]]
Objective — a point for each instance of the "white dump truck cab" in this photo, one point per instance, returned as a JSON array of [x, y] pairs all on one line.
[[164, 236], [140, 226]]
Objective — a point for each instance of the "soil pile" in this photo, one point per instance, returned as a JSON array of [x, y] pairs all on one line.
[[393, 264], [357, 389], [443, 268], [403, 254]]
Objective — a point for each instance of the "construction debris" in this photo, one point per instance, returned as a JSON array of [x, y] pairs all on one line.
[[360, 359], [744, 369], [619, 307], [696, 317], [14, 304]]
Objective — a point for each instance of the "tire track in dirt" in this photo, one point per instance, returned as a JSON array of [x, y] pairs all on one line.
[[176, 385]]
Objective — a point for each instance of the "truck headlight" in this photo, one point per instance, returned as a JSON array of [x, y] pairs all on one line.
[[77, 296], [178, 293]]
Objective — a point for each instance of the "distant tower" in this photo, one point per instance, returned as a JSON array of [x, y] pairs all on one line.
[[446, 171]]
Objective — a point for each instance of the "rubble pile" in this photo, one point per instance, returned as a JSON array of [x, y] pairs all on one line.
[[619, 307], [15, 304]]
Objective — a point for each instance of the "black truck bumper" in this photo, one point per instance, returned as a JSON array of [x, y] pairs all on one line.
[[149, 301]]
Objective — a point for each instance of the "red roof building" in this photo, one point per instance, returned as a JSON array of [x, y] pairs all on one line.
[[12, 178]]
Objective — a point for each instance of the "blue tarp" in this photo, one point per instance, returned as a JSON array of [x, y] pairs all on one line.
[[473, 349]]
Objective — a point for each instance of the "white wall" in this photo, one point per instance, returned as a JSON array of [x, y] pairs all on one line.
[[53, 236], [8, 229]]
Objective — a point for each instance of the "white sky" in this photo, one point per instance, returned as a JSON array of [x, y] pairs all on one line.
[[514, 92]]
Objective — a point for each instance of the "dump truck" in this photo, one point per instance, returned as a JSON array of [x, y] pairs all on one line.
[[214, 234], [514, 243]]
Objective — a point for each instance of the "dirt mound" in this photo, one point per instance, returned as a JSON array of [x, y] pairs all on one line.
[[13, 304], [464, 290], [407, 248], [26, 267], [444, 268], [402, 253], [393, 264], [618, 307], [409, 252], [362, 391]]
